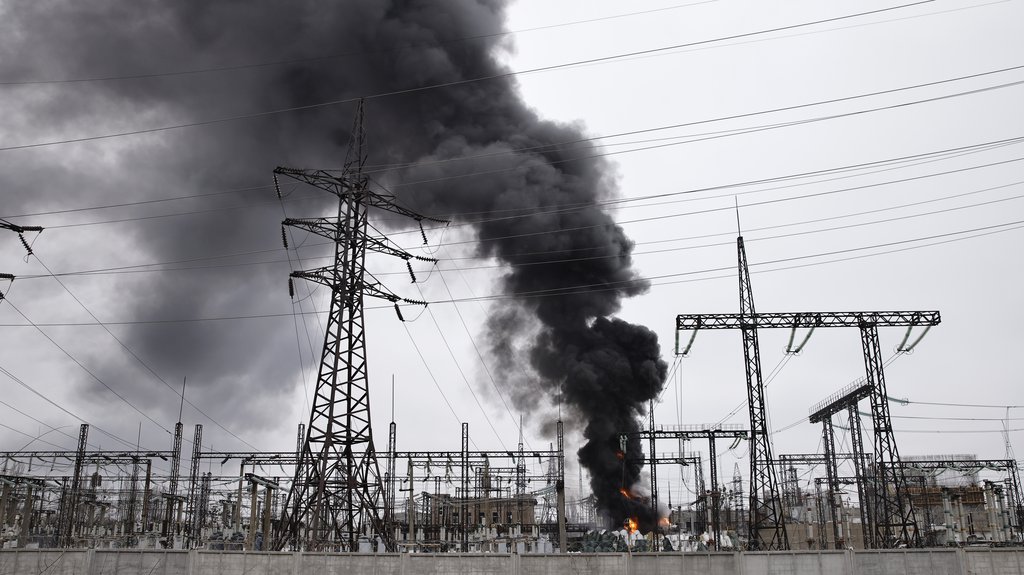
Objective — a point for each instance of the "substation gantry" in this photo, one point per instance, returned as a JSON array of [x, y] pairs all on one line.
[[710, 432], [895, 523]]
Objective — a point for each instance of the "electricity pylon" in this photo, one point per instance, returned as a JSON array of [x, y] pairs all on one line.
[[337, 496]]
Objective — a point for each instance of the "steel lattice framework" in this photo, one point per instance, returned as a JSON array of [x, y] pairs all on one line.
[[711, 432], [847, 398], [338, 495], [834, 504], [767, 521], [895, 523]]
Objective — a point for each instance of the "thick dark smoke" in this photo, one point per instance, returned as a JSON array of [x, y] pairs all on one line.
[[536, 203]]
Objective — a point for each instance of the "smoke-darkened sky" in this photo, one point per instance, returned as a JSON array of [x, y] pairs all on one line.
[[184, 225]]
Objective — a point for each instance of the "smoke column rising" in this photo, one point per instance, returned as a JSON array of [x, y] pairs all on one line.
[[536, 203]]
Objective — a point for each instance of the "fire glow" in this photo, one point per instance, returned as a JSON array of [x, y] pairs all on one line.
[[632, 525], [625, 493]]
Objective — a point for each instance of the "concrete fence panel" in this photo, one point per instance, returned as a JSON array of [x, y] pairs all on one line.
[[137, 562], [781, 562], [571, 564], [457, 564], [50, 562], [982, 561], [993, 562], [342, 564]]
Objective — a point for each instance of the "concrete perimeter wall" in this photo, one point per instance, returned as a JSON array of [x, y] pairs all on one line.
[[980, 561]]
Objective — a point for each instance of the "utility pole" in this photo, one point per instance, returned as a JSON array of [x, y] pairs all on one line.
[[338, 494]]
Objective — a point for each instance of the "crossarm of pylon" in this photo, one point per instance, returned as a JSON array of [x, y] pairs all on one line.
[[343, 187], [6, 225], [380, 246], [324, 227], [807, 319], [325, 276], [338, 185]]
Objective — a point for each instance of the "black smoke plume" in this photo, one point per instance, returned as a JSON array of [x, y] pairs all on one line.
[[479, 153]]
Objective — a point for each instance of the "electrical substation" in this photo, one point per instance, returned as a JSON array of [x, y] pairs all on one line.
[[346, 490]]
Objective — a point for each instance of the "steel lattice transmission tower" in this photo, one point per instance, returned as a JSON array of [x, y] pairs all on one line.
[[338, 495], [767, 520]]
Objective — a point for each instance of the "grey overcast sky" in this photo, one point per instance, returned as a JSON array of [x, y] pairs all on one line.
[[874, 149]]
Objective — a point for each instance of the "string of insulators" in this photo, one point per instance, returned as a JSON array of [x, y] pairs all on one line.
[[277, 186], [9, 277], [291, 288], [24, 242], [422, 232], [398, 310], [411, 274], [284, 237]]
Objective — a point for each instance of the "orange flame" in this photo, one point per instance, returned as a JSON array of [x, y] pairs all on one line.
[[620, 455], [625, 493], [664, 522], [631, 525]]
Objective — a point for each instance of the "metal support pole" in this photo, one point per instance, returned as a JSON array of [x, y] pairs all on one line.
[[71, 516], [26, 518], [654, 474], [464, 504], [820, 504], [560, 490], [250, 537], [389, 480], [268, 500], [411, 509], [829, 441], [5, 499], [193, 487], [146, 495], [767, 522], [860, 472], [716, 500], [895, 523], [172, 490], [237, 520]]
